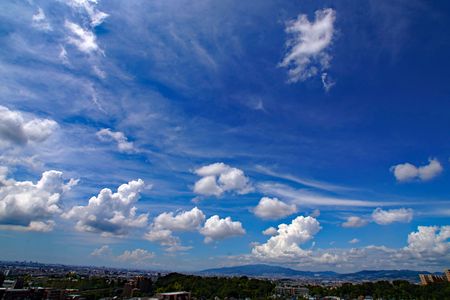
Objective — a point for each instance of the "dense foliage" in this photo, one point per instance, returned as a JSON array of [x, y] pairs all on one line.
[[210, 287], [398, 289]]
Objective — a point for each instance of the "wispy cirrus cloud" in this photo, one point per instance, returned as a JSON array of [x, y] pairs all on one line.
[[307, 46], [303, 197], [326, 186]]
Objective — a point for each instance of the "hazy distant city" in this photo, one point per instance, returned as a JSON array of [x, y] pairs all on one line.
[[30, 280]]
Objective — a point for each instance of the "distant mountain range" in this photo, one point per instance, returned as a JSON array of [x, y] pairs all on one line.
[[261, 270]]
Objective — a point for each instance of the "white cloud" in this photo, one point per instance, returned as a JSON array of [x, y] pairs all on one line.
[[89, 6], [216, 228], [219, 178], [84, 39], [25, 205], [270, 231], [408, 172], [286, 243], [136, 256], [207, 186], [305, 197], [63, 57], [184, 221], [103, 251], [429, 240], [111, 213], [307, 46], [123, 145], [354, 221], [40, 22], [272, 208], [315, 213], [327, 82], [354, 241], [385, 217], [162, 236], [165, 224], [17, 128]]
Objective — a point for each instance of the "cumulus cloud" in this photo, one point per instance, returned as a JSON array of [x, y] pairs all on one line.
[[286, 243], [428, 247], [353, 241], [111, 213], [103, 251], [17, 128], [272, 208], [84, 39], [219, 178], [354, 221], [385, 217], [183, 221], [270, 231], [123, 145], [307, 46], [40, 22], [162, 236], [429, 240], [216, 229], [165, 224], [408, 172], [136, 256], [25, 205]]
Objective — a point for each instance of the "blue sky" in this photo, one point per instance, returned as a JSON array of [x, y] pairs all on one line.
[[171, 134]]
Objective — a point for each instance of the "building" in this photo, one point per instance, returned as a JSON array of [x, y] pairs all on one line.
[[447, 274], [426, 279], [174, 296], [13, 284], [292, 291]]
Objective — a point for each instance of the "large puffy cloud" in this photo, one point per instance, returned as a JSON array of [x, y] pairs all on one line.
[[18, 129], [25, 205], [286, 243], [216, 228], [123, 145], [427, 248], [385, 217], [111, 213], [184, 221], [307, 54], [429, 240], [218, 178], [409, 172], [166, 223], [354, 221], [272, 208]]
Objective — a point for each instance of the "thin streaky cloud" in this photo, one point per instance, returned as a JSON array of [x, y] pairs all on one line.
[[305, 181]]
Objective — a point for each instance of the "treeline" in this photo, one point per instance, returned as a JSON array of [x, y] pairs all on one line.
[[398, 289], [210, 287]]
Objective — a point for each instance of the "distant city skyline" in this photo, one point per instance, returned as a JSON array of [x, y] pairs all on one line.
[[187, 135]]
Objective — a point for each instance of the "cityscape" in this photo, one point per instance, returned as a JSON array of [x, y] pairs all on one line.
[[224, 150], [31, 280]]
